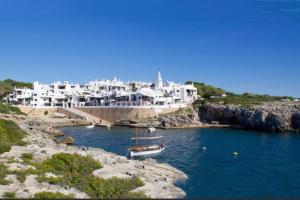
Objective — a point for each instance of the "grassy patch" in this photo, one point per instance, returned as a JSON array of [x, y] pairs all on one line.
[[205, 90], [7, 109], [3, 173], [52, 195], [76, 171], [9, 195], [27, 158], [246, 99], [10, 134]]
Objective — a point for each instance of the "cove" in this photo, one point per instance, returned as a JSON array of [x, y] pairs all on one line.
[[267, 164]]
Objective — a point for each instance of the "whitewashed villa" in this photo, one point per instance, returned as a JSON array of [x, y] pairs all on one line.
[[105, 93]]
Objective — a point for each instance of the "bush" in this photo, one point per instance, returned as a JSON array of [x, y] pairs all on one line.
[[4, 148], [76, 171], [52, 195], [9, 195], [3, 174], [27, 157], [46, 112], [10, 134], [7, 109], [206, 91]]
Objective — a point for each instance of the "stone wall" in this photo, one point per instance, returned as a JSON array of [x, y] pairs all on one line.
[[114, 114]]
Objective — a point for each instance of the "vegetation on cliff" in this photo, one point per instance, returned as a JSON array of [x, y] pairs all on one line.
[[76, 171], [206, 91], [3, 174], [52, 195], [7, 109], [10, 134], [213, 94], [246, 99]]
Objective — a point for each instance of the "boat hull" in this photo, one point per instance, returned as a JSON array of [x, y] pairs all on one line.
[[90, 126], [143, 153]]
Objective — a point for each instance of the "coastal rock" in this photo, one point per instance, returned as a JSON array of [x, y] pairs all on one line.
[[296, 120], [178, 119], [159, 178], [58, 115], [68, 140], [272, 116], [52, 131]]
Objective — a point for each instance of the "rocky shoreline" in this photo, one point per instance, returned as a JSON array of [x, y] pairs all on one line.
[[159, 178], [183, 118], [269, 117]]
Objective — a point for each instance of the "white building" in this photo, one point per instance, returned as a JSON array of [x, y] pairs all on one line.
[[113, 93]]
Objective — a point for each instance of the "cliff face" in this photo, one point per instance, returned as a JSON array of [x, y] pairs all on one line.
[[272, 117], [178, 119]]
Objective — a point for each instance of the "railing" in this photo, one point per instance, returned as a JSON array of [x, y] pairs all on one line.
[[181, 105]]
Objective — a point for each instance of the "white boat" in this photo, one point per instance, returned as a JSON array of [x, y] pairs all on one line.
[[145, 150], [151, 129], [90, 126], [141, 150]]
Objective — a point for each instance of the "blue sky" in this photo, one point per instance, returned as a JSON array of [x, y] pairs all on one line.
[[239, 45]]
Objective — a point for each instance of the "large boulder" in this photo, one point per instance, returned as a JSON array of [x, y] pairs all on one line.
[[68, 140], [275, 123], [296, 121]]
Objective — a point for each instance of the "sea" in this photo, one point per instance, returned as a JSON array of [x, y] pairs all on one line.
[[219, 162]]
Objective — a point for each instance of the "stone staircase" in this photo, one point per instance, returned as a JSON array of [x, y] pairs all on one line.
[[90, 118]]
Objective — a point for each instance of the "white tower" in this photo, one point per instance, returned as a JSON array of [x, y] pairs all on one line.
[[159, 81]]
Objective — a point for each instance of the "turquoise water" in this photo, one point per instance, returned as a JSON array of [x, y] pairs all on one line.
[[267, 165]]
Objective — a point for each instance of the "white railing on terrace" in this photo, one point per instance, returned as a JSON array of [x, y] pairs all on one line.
[[182, 105]]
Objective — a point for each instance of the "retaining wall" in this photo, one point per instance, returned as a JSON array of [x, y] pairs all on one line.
[[114, 114]]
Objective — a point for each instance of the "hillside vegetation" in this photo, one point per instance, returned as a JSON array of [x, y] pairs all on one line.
[[10, 134], [76, 171], [7, 109], [245, 99], [7, 86], [206, 91]]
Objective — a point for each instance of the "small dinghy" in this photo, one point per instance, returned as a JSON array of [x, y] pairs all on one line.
[[90, 126], [151, 129]]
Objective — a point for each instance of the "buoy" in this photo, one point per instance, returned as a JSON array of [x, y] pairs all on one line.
[[204, 148], [235, 153]]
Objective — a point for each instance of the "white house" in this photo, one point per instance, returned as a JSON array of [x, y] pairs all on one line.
[[113, 93]]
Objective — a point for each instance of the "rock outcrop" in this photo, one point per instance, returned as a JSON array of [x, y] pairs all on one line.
[[271, 117], [179, 119], [159, 178]]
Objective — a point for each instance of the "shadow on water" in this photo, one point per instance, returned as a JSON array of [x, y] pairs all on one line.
[[267, 165]]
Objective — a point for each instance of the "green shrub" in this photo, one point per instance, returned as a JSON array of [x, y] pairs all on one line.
[[4, 148], [7, 109], [21, 175], [9, 195], [205, 90], [46, 112], [10, 134], [52, 195], [76, 171], [27, 157], [3, 174]]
